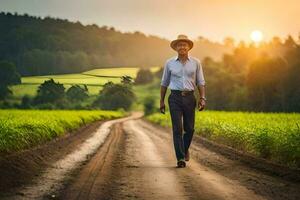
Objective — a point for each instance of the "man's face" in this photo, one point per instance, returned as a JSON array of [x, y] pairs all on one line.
[[182, 47]]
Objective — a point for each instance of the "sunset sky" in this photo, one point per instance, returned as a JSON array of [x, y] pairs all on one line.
[[213, 19]]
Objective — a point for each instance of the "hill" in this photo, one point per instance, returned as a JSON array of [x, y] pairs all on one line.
[[41, 46]]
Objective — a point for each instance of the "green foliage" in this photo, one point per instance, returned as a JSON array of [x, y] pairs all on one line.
[[4, 92], [263, 142], [274, 136], [115, 96], [55, 46], [265, 81], [26, 102], [77, 93], [291, 88], [8, 76], [94, 83], [143, 76], [50, 92], [22, 129], [126, 79], [149, 105], [260, 78]]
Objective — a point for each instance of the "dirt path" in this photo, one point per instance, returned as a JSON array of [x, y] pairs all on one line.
[[141, 164], [137, 161], [55, 175]]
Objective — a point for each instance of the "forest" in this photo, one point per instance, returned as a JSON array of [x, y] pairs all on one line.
[[43, 46]]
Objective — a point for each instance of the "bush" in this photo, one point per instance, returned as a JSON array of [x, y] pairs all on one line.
[[50, 92], [8, 76], [6, 104], [149, 105], [115, 96], [45, 106], [4, 92], [77, 93], [26, 102], [144, 76]]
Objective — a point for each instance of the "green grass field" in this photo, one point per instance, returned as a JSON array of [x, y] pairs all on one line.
[[30, 84], [22, 129], [274, 136]]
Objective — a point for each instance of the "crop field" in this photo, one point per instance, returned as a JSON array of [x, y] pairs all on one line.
[[30, 84], [21, 129], [274, 136]]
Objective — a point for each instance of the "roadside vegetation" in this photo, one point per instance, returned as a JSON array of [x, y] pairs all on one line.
[[23, 129], [274, 136]]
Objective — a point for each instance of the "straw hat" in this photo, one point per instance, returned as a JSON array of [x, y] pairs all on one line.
[[181, 38]]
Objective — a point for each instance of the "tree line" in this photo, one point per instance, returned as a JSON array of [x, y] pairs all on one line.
[[261, 78], [43, 46]]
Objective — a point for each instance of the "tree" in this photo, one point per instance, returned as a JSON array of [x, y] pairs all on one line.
[[77, 93], [144, 76], [149, 105], [229, 42], [8, 76], [26, 102], [50, 92], [4, 92], [52, 46], [126, 79], [290, 42], [115, 96], [265, 84]]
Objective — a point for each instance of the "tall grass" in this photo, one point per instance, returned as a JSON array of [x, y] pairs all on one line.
[[274, 136], [21, 129]]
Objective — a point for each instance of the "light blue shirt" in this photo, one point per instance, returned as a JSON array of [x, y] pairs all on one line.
[[178, 76]]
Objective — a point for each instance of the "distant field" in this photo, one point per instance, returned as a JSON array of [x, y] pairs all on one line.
[[30, 84], [274, 136], [21, 129]]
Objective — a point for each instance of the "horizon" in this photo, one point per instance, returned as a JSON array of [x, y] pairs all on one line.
[[156, 18], [236, 42]]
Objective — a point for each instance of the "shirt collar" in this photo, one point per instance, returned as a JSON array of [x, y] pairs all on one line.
[[177, 57]]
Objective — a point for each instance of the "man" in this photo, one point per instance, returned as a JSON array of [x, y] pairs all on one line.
[[183, 74]]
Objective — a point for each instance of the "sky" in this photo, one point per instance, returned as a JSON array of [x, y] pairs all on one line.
[[212, 19]]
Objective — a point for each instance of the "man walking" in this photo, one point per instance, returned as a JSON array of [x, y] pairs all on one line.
[[182, 74]]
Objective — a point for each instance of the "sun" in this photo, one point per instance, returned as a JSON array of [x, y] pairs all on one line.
[[256, 36]]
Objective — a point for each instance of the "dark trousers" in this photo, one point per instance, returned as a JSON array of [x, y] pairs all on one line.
[[182, 107]]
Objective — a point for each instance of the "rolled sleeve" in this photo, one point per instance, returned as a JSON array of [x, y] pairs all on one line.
[[165, 80], [199, 74]]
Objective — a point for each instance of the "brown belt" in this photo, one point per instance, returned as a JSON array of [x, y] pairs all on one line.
[[182, 93]]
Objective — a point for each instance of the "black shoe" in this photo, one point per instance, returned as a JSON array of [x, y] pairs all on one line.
[[181, 164]]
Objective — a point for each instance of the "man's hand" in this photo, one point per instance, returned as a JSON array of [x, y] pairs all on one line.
[[162, 107], [163, 91], [201, 104]]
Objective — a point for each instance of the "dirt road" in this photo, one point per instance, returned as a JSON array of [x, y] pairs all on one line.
[[137, 161]]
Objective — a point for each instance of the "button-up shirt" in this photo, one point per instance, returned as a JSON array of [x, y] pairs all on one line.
[[179, 76]]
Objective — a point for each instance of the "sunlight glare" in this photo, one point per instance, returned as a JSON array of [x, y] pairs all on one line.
[[256, 36]]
